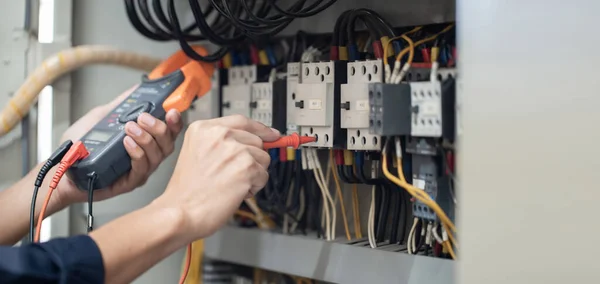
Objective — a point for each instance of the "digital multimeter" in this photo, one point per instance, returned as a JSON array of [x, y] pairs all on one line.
[[174, 84]]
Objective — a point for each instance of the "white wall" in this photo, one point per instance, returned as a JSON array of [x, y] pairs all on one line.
[[529, 158]]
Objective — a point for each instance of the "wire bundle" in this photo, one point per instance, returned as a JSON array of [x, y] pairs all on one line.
[[224, 23]]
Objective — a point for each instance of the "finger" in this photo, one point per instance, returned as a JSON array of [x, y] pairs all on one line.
[[261, 156], [245, 137], [259, 179], [159, 131], [146, 142], [139, 163], [174, 122], [243, 123]]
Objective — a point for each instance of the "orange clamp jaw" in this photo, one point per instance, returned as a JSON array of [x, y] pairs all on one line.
[[196, 83], [293, 141]]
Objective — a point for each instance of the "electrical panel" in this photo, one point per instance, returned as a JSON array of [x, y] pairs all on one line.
[[317, 100], [354, 104]]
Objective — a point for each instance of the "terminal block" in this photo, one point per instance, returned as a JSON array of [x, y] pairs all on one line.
[[236, 94], [317, 102], [293, 79], [354, 104], [426, 176], [390, 106], [268, 104]]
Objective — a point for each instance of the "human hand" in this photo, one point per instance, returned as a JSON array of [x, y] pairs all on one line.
[[221, 163], [148, 143]]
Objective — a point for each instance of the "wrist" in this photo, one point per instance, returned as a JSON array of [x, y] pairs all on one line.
[[179, 226]]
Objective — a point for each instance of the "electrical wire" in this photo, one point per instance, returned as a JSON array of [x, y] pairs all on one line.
[[355, 210], [74, 153], [411, 233], [339, 194], [90, 216], [371, 222], [396, 79], [328, 205]]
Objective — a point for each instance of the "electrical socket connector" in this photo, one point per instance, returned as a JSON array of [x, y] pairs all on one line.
[[268, 104], [390, 109], [293, 79], [317, 103], [354, 104], [424, 74]]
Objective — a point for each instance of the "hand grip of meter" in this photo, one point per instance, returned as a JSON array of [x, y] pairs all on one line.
[[174, 84]]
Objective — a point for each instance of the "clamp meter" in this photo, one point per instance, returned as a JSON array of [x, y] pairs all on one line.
[[173, 84]]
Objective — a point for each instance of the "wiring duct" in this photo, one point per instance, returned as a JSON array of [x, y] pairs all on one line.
[[63, 63]]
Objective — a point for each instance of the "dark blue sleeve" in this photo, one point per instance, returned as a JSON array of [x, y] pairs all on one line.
[[60, 261]]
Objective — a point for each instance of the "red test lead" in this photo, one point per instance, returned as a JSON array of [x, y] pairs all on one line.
[[293, 141]]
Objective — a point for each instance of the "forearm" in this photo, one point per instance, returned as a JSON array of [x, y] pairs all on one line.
[[135, 242], [16, 203]]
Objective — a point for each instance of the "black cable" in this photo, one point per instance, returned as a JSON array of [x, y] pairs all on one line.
[[184, 45], [305, 12], [58, 154], [383, 214], [396, 203], [90, 216]]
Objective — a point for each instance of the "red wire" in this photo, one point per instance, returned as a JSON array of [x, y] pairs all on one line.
[[188, 262], [76, 153]]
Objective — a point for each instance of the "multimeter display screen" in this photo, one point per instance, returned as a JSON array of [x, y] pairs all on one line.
[[101, 136]]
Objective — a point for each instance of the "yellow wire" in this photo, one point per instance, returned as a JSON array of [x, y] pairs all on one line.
[[449, 248], [343, 53], [264, 59], [355, 210], [227, 60], [422, 196], [195, 272], [427, 39], [338, 190], [403, 36]]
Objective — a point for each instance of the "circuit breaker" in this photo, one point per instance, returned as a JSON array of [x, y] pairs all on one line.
[[317, 110], [354, 104], [293, 79], [268, 104], [236, 95]]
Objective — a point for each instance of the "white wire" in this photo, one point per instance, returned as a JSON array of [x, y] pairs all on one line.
[[436, 236], [328, 198], [411, 238], [428, 237], [313, 160], [371, 222]]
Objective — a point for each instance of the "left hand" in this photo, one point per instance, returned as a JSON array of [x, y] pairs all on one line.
[[148, 143]]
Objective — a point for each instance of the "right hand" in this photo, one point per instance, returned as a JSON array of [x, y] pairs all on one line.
[[221, 163]]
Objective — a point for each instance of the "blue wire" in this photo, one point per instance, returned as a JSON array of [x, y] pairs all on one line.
[[359, 159], [443, 56], [397, 46], [353, 52], [274, 153], [235, 58], [271, 56], [244, 58]]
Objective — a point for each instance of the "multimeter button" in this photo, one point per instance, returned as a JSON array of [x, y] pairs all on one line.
[[133, 113]]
